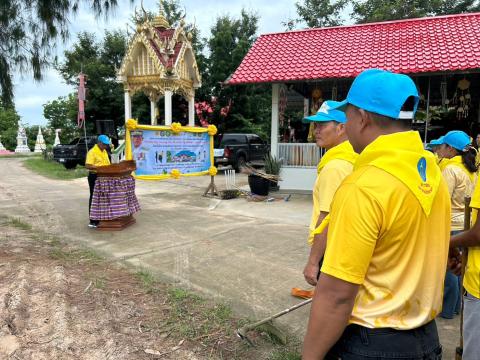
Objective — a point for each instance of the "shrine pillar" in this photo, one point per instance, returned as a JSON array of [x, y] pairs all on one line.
[[191, 111], [168, 107], [128, 105]]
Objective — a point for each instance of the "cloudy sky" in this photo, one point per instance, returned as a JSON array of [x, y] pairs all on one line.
[[30, 96]]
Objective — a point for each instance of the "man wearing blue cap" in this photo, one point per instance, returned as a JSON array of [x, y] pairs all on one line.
[[96, 157], [380, 287], [334, 166]]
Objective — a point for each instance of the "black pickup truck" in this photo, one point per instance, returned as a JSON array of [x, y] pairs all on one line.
[[238, 149], [74, 153]]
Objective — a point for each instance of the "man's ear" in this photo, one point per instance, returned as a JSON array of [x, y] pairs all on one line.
[[340, 129], [366, 120]]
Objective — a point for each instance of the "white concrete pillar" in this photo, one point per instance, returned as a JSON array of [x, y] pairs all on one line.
[[274, 130], [191, 111], [153, 119], [128, 106], [168, 107]]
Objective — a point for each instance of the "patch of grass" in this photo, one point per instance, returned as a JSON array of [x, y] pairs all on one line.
[[178, 295], [75, 255], [285, 354], [16, 156], [147, 279], [54, 170], [19, 224], [99, 283]]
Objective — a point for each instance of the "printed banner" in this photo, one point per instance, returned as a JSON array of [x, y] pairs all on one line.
[[162, 152]]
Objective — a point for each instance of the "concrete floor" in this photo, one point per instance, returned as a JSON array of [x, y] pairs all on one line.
[[249, 254]]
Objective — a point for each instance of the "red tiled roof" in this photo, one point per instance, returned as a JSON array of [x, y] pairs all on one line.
[[434, 44]]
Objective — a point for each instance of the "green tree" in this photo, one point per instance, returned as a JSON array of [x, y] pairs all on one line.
[[378, 10], [99, 61], [29, 31], [9, 120], [318, 13], [228, 44], [61, 114]]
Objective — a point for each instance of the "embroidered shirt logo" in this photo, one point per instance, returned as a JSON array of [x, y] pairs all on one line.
[[422, 168], [424, 187]]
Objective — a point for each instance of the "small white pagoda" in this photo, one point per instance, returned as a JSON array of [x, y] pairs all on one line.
[[57, 137], [2, 148], [40, 143], [22, 146]]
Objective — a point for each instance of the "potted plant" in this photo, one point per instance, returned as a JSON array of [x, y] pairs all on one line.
[[272, 167]]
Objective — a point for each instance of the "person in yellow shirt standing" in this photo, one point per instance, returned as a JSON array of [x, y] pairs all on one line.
[[471, 281], [380, 286], [96, 157], [335, 165], [460, 172]]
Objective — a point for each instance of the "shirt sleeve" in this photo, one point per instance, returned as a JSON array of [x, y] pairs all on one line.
[[90, 159], [475, 201], [355, 226], [329, 180], [450, 178]]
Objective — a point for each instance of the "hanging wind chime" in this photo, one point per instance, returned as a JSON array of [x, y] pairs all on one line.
[[462, 99]]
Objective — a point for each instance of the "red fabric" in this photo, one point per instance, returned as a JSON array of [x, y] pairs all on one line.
[[434, 44], [81, 100]]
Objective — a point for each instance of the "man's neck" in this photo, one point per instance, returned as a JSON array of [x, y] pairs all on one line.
[[382, 132]]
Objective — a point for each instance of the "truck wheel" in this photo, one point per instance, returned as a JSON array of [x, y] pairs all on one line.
[[241, 161], [70, 165]]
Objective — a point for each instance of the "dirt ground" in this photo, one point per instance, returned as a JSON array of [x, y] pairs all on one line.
[[59, 302]]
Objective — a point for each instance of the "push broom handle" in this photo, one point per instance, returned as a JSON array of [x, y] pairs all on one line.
[[286, 311]]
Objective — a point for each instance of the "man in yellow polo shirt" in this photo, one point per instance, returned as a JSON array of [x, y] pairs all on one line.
[[380, 287], [96, 157], [334, 166], [471, 281]]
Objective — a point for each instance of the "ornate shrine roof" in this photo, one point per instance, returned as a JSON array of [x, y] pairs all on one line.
[[158, 58]]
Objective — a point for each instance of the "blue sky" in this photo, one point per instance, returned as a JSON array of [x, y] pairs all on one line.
[[30, 96]]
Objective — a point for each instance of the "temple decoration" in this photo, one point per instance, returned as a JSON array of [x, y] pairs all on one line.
[[22, 146], [40, 143], [160, 62]]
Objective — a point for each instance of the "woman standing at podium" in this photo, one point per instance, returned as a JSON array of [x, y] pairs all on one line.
[[96, 157]]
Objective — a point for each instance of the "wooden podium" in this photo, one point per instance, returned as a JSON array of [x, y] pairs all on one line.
[[122, 169]]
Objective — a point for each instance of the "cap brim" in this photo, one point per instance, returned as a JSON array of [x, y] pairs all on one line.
[[318, 118], [437, 142], [341, 105]]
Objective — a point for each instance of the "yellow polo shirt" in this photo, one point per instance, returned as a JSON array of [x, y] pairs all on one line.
[[459, 184], [326, 184], [97, 157], [471, 280], [380, 238]]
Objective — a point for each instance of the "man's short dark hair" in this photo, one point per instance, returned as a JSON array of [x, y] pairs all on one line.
[[385, 122]]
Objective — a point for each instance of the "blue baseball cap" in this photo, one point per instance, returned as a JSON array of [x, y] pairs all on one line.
[[328, 113], [457, 139], [104, 139], [382, 92], [436, 142]]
